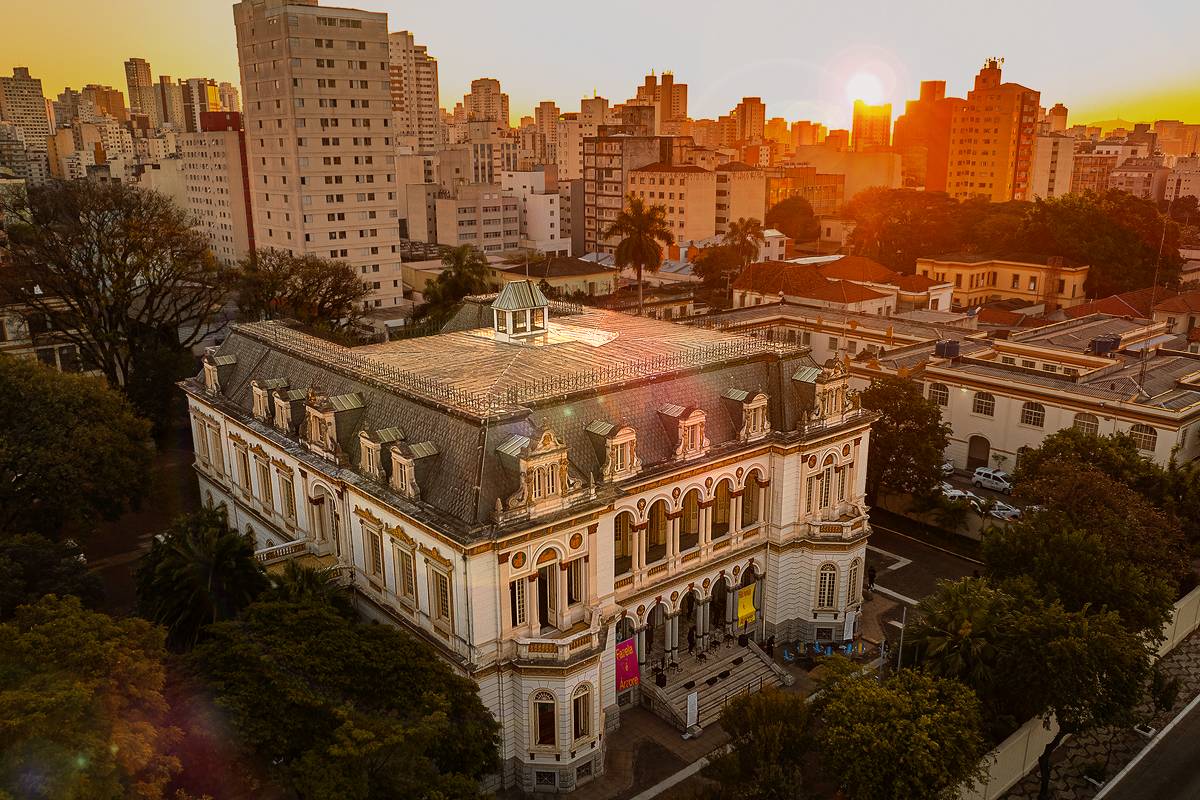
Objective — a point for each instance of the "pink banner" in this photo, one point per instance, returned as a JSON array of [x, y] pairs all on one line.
[[627, 665]]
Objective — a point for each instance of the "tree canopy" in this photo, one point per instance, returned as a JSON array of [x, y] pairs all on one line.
[[771, 737], [317, 292], [82, 712], [199, 572], [72, 450], [913, 736], [715, 264], [907, 441], [466, 272], [794, 218], [33, 566], [355, 711], [643, 230], [745, 238], [124, 265]]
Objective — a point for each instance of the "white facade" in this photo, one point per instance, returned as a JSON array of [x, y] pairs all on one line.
[[415, 100], [533, 611], [23, 104], [1053, 162], [540, 207], [215, 182]]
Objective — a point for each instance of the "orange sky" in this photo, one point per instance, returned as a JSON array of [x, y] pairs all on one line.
[[799, 63]]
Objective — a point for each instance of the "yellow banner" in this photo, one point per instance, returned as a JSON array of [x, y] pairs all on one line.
[[746, 605]]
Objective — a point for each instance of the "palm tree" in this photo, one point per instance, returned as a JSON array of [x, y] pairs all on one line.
[[466, 272], [197, 573], [745, 237], [320, 586], [958, 631], [641, 228]]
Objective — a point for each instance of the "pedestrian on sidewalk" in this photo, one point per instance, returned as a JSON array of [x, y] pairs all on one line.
[[871, 578]]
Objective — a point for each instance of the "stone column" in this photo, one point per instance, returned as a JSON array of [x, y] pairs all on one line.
[[730, 606], [673, 527], [673, 637], [705, 525], [760, 589], [735, 513], [641, 648], [533, 608], [639, 553], [702, 625]]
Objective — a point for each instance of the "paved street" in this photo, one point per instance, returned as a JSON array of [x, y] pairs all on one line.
[[1171, 771], [909, 567]]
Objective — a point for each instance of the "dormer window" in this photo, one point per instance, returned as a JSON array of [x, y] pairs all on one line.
[[543, 480], [693, 437], [688, 424], [264, 403], [318, 430], [749, 411], [212, 383], [371, 463], [402, 475], [621, 455], [616, 448], [216, 370], [410, 467]]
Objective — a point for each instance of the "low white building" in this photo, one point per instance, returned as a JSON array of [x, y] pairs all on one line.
[[547, 482]]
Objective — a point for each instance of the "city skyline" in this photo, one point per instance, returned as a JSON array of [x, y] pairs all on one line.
[[888, 50]]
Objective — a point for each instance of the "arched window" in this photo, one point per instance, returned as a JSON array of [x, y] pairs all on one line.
[[853, 594], [984, 404], [720, 510], [581, 712], [1145, 437], [1033, 414], [623, 543], [826, 586], [1087, 423], [656, 533], [545, 720], [750, 500], [939, 394], [689, 523]]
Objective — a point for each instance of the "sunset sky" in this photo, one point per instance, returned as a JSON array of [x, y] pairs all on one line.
[[1102, 59]]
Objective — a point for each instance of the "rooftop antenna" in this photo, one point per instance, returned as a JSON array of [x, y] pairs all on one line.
[[1154, 289]]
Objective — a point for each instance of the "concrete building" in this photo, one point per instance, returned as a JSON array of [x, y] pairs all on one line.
[[687, 192], [230, 98], [318, 117], [825, 193], [806, 132], [1056, 119], [626, 488], [980, 278], [871, 127], [481, 215], [1090, 171], [415, 100], [992, 138], [1144, 177], [861, 170], [540, 207], [608, 160], [922, 136], [573, 129], [217, 184], [1053, 165], [1184, 179], [669, 100], [750, 118], [97, 100], [24, 106], [169, 96], [485, 101], [1177, 138], [141, 90], [741, 194], [841, 283], [200, 95]]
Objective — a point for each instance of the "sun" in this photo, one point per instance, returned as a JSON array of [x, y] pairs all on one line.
[[865, 86]]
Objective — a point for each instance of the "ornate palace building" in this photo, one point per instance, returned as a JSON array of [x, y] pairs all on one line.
[[543, 482]]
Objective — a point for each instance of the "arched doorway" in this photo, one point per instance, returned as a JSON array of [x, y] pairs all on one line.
[[750, 578], [719, 607], [325, 522], [979, 453]]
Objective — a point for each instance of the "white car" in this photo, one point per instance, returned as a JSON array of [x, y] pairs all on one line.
[[951, 493], [995, 479], [1001, 510], [947, 469]]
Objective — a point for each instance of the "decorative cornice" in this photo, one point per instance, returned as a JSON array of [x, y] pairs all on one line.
[[366, 515], [432, 554]]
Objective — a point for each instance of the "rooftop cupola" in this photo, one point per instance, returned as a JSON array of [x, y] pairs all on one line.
[[520, 311]]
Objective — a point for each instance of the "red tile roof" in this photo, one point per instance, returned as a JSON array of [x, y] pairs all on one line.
[[858, 268], [1129, 304], [843, 292], [773, 277], [1185, 302], [915, 283], [737, 166], [1001, 317], [662, 166]]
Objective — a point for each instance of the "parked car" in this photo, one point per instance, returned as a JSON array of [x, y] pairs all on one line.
[[1002, 510], [947, 469], [951, 493], [995, 479]]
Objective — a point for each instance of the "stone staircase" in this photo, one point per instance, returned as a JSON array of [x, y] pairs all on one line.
[[722, 676]]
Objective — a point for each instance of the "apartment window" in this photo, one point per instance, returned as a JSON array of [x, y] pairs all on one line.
[[693, 436], [287, 496], [826, 586], [373, 550], [852, 593], [1144, 437], [544, 720], [581, 713], [264, 484], [939, 394], [1087, 423], [441, 605], [1033, 414], [984, 404], [516, 602], [406, 574], [1016, 281], [544, 480], [243, 468]]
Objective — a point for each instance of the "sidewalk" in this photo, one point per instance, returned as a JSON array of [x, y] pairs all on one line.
[[1115, 746]]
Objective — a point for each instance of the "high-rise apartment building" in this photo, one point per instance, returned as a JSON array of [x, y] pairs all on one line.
[[750, 116], [805, 132], [22, 104], [317, 110], [141, 90], [992, 138], [485, 101], [96, 100], [199, 95], [1053, 164], [872, 126], [1090, 171], [1056, 119], [669, 99], [572, 129], [230, 99], [169, 96], [922, 136], [545, 120], [217, 184], [608, 160], [415, 102]]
